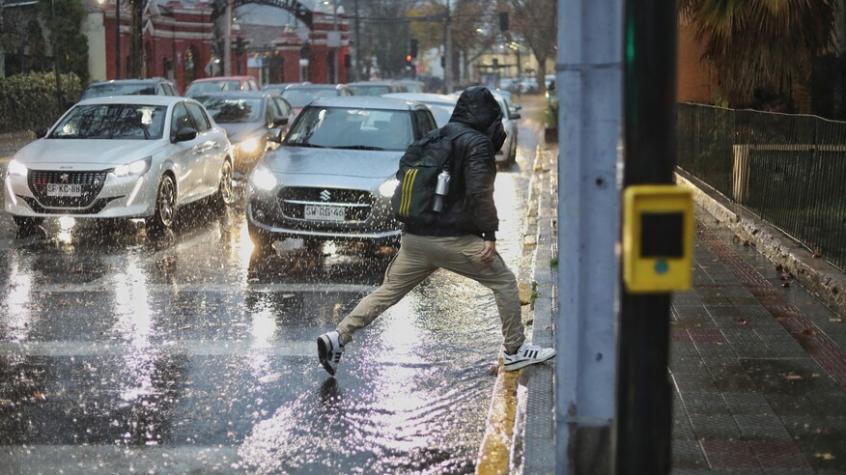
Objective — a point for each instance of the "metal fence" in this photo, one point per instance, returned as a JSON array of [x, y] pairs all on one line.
[[789, 169]]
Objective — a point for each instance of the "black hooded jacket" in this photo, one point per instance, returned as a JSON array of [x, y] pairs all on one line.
[[476, 125]]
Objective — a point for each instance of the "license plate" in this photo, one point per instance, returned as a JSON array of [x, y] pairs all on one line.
[[325, 213], [64, 190]]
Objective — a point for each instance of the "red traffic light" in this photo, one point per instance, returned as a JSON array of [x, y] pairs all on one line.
[[408, 58]]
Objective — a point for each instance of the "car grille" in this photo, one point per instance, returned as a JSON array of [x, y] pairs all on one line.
[[357, 203], [91, 184]]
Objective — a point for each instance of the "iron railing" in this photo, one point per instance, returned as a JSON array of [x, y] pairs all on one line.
[[789, 169]]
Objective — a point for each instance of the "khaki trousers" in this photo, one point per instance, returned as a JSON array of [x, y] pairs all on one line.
[[417, 258]]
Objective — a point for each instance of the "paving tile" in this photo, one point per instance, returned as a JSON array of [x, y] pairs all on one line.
[[791, 405], [730, 454], [769, 426], [693, 382], [710, 403], [775, 454], [714, 426], [747, 403], [688, 454]]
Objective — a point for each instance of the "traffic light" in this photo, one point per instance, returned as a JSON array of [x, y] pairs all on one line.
[[413, 48], [408, 59]]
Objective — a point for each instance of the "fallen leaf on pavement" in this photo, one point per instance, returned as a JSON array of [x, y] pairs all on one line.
[[791, 376]]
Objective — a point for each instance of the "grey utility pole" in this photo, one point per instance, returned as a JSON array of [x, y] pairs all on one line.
[[447, 50], [357, 65], [227, 40], [117, 39], [336, 73], [590, 87], [2, 52]]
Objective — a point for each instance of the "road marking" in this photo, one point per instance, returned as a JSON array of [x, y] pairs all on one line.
[[180, 347], [212, 288]]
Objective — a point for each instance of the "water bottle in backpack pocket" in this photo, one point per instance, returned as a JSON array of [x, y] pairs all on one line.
[[423, 179]]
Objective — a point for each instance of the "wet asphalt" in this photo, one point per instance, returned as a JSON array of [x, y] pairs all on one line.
[[186, 353]]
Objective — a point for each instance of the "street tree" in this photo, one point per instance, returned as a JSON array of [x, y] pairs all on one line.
[[63, 19], [762, 49], [535, 22]]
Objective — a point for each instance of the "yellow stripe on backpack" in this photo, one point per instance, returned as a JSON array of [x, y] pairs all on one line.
[[407, 190]]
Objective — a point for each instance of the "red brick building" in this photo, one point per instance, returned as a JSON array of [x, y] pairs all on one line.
[[285, 55], [178, 42]]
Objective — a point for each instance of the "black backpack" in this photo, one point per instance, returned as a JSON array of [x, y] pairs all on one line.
[[418, 176]]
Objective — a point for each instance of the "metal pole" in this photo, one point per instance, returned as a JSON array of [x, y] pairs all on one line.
[[589, 79], [336, 73], [227, 40], [117, 39], [357, 72], [447, 50], [644, 399], [56, 57], [2, 51]]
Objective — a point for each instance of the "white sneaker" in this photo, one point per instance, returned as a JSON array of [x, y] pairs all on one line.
[[525, 355], [329, 350]]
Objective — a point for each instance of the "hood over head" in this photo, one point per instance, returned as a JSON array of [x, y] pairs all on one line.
[[477, 108]]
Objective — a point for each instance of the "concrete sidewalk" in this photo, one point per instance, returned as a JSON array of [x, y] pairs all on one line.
[[758, 366]]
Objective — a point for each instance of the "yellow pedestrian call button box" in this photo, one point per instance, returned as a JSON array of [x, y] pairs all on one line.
[[657, 238]]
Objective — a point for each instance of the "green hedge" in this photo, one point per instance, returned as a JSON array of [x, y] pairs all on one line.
[[28, 101]]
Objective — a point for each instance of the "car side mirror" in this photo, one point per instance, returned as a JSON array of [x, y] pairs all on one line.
[[518, 107], [274, 136], [40, 133], [185, 134], [281, 122], [515, 116]]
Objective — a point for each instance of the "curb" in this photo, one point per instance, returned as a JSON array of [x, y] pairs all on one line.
[[816, 274], [503, 443]]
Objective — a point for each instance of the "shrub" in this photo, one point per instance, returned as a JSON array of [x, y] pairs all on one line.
[[28, 101]]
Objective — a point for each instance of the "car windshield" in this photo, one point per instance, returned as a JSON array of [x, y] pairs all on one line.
[[370, 90], [356, 129], [103, 90], [112, 121], [227, 110], [302, 96], [213, 86]]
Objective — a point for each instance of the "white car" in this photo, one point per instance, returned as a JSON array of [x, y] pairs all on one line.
[[121, 157], [443, 105]]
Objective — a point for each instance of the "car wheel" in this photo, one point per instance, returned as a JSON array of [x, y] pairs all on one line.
[[165, 206], [225, 195], [23, 222]]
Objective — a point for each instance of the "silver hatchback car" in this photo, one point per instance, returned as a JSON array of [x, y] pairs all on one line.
[[333, 176]]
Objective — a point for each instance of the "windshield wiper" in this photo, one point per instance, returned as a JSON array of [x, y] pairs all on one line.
[[304, 144], [361, 147]]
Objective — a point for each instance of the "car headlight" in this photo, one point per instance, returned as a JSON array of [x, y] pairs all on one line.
[[262, 179], [388, 188], [16, 168], [138, 167], [250, 145]]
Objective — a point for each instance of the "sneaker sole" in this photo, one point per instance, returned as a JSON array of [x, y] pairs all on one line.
[[323, 348], [524, 363]]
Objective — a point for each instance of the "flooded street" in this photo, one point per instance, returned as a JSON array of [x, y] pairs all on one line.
[[187, 352]]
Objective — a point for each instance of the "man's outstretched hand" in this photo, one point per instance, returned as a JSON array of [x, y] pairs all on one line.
[[489, 252]]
